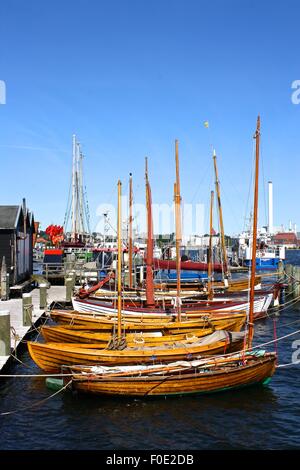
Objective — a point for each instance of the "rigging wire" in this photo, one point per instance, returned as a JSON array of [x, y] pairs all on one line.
[[264, 184], [68, 208], [251, 182]]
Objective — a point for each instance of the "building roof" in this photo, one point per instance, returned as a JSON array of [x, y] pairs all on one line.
[[8, 216], [41, 240], [288, 236]]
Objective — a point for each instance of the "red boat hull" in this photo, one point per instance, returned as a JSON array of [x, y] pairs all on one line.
[[185, 265]]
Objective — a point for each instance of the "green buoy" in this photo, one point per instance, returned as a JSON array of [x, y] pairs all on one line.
[[54, 384]]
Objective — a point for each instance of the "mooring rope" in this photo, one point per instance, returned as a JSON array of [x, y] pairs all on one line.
[[17, 337], [36, 403], [290, 276], [276, 340], [289, 364], [288, 324], [35, 375], [285, 305], [19, 360], [283, 325]]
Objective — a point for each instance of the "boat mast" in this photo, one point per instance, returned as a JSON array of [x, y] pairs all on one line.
[[81, 195], [130, 231], [74, 189], [254, 234], [209, 268], [149, 259], [119, 262], [78, 218], [177, 201], [220, 212]]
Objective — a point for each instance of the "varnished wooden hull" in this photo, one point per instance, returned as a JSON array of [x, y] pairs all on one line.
[[237, 285], [258, 371], [96, 306], [188, 289], [51, 356], [192, 288], [220, 321], [69, 334]]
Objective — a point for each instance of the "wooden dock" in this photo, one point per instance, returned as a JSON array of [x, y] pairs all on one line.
[[20, 332]]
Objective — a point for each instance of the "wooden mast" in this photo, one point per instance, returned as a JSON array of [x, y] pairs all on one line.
[[220, 212], [119, 263], [210, 250], [149, 259], [254, 234], [177, 201], [130, 241]]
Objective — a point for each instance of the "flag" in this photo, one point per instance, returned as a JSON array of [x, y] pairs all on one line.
[[206, 124]]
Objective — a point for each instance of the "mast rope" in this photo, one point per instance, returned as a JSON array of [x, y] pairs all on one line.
[[263, 178]]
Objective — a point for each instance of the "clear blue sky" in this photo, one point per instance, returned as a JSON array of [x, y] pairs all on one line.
[[130, 76]]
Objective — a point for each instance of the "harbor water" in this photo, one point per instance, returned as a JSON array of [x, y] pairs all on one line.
[[251, 418]]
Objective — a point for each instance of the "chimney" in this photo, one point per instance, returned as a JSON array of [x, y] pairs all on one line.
[[270, 209], [24, 216]]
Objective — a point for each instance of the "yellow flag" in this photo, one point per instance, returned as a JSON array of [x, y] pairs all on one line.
[[206, 124]]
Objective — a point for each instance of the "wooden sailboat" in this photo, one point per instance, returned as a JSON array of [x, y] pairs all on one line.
[[218, 321], [51, 356], [188, 377], [233, 284], [164, 307], [157, 306], [183, 378], [75, 334]]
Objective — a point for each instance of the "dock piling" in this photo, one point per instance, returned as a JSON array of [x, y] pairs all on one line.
[[289, 276], [69, 288], [43, 296], [27, 309], [4, 283], [5, 340], [293, 279], [73, 275], [280, 269], [296, 279]]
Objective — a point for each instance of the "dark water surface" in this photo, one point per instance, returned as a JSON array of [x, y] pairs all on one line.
[[253, 418]]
